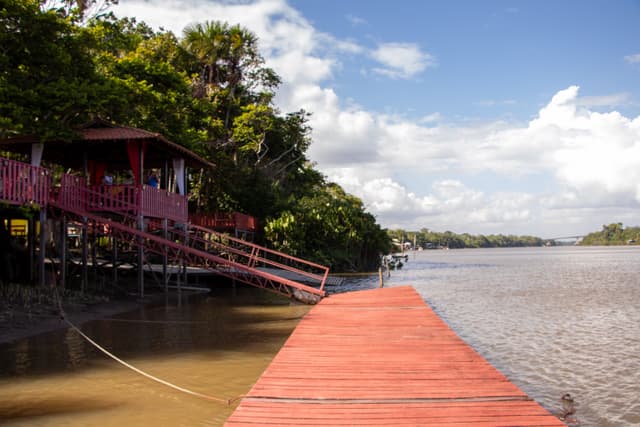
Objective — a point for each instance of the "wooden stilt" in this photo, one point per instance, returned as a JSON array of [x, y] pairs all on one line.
[[94, 253], [63, 251], [31, 243], [140, 259], [165, 277], [42, 249], [85, 265], [114, 259]]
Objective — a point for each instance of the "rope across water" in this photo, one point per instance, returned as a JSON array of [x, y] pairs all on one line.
[[137, 370]]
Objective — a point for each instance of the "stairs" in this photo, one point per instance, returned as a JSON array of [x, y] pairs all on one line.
[[175, 240]]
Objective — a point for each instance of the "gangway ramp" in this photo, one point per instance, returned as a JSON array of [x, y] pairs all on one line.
[[174, 249], [196, 246]]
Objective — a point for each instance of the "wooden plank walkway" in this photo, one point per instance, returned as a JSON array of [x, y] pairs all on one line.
[[382, 357]]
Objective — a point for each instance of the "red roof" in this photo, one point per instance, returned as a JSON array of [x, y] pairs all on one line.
[[106, 143]]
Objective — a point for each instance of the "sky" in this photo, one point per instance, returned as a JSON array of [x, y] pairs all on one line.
[[481, 117]]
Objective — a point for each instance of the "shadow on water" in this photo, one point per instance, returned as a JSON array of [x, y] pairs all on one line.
[[53, 406], [214, 323]]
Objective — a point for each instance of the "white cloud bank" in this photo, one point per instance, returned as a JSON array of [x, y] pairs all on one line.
[[573, 169]]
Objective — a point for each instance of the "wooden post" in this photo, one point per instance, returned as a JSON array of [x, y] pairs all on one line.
[[380, 274], [140, 221], [94, 253], [85, 267], [63, 251], [43, 247], [140, 257], [165, 277], [114, 258], [31, 242]]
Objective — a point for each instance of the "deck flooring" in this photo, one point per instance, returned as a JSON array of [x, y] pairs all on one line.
[[382, 357]]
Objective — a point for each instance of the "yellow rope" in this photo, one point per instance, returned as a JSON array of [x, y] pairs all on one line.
[[139, 371]]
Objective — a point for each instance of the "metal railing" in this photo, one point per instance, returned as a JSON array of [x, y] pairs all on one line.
[[256, 256], [23, 184], [121, 199], [225, 221], [159, 203]]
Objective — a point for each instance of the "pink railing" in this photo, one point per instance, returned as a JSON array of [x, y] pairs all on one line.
[[71, 193], [253, 255], [22, 184], [244, 222], [113, 198], [225, 221], [122, 199], [164, 204]]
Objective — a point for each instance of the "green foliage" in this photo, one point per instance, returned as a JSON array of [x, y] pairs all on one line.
[[329, 227], [47, 79], [430, 239], [613, 234]]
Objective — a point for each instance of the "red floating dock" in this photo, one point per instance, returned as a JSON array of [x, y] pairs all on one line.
[[382, 357]]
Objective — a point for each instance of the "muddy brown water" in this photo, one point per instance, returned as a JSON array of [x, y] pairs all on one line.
[[554, 320], [216, 346]]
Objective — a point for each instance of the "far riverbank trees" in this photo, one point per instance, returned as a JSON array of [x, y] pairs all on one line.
[[428, 239]]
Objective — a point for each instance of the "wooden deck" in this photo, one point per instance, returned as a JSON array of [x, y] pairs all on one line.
[[382, 357]]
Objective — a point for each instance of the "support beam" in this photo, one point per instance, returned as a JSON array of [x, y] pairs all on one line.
[[165, 277], [114, 258], [63, 251], [42, 248], [85, 265]]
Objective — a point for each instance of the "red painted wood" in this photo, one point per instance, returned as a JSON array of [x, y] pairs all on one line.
[[382, 357], [23, 184]]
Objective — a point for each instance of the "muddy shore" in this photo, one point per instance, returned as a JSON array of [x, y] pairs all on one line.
[[38, 312]]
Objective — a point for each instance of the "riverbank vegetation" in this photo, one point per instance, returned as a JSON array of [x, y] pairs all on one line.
[[65, 63], [428, 239], [613, 234]]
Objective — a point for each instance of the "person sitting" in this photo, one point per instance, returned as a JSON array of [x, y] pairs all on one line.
[[107, 179], [153, 180]]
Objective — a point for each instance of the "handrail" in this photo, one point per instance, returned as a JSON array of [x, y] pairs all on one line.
[[252, 252], [21, 183], [164, 204], [122, 199]]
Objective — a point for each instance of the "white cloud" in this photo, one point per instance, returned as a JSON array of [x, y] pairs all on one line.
[[356, 20], [478, 178], [591, 159], [401, 60], [494, 102], [431, 118], [632, 59], [614, 100]]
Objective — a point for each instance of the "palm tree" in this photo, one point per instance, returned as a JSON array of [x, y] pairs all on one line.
[[208, 42]]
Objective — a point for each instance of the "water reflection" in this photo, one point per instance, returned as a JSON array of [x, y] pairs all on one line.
[[217, 346]]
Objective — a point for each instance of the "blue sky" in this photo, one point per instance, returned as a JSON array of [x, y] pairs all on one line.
[[517, 117]]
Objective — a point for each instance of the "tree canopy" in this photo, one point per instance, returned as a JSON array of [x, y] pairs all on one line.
[[613, 234], [64, 62]]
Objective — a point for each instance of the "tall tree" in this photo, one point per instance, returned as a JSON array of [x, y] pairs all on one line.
[[47, 77]]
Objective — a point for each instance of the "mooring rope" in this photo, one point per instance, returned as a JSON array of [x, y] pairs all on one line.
[[63, 316]]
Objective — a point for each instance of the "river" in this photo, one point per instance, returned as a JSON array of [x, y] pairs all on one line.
[[554, 320]]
